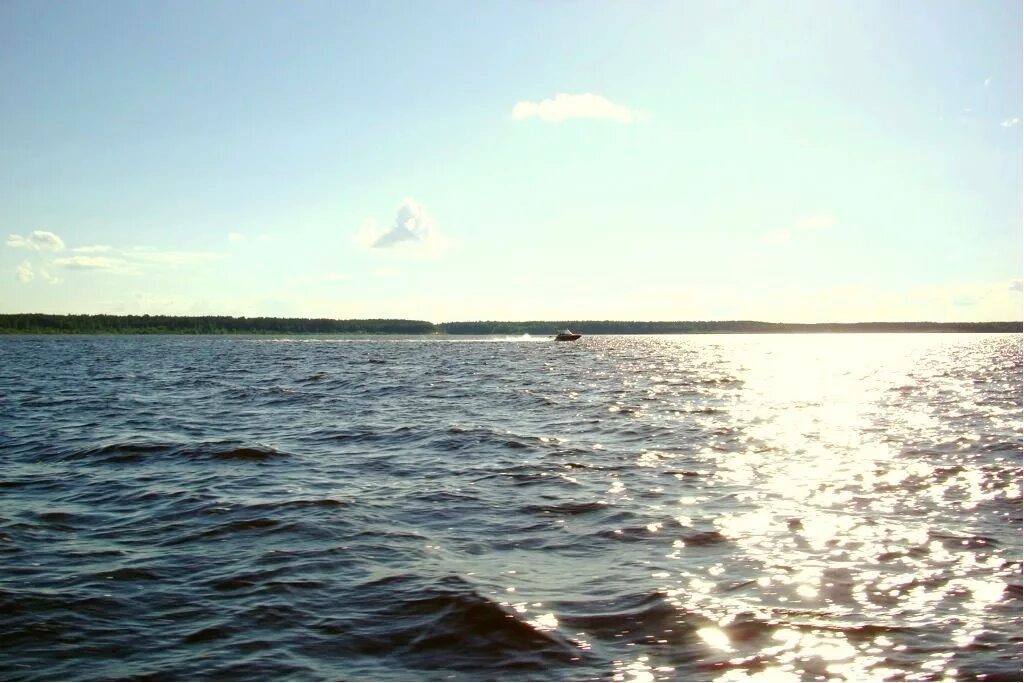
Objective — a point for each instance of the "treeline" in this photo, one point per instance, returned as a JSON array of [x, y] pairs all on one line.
[[540, 327], [41, 323]]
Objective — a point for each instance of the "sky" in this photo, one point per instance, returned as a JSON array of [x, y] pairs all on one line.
[[784, 160]]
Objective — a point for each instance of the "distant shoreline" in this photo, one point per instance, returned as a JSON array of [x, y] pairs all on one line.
[[42, 323]]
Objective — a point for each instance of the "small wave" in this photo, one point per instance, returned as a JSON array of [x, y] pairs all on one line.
[[565, 508], [257, 452], [627, 535], [316, 377], [475, 437], [210, 634], [301, 503], [137, 451], [60, 520], [448, 624], [127, 574], [241, 526], [368, 434], [704, 538], [954, 542], [131, 451], [620, 615]]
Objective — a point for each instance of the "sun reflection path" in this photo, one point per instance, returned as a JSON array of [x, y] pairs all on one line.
[[857, 511]]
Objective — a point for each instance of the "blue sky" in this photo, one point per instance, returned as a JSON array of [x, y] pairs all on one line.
[[784, 161]]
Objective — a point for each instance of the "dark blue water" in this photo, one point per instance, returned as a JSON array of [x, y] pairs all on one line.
[[801, 507]]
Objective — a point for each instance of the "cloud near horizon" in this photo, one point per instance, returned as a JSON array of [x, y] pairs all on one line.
[[92, 263], [26, 273], [563, 107], [37, 240], [132, 260]]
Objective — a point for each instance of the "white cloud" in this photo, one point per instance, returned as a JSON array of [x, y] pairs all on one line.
[[1010, 122], [586, 106], [987, 81], [47, 278], [92, 263], [236, 237], [37, 240], [413, 228], [24, 272], [135, 260]]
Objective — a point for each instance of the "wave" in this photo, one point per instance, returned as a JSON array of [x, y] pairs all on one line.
[[446, 623], [139, 451], [572, 508]]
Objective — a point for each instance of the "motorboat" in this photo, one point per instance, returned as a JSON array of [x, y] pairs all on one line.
[[567, 335]]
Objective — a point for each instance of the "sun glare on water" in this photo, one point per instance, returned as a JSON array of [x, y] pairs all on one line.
[[842, 494]]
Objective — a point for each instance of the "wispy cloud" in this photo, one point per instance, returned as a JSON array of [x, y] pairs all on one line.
[[1008, 123], [46, 277], [236, 237], [37, 240], [92, 263], [988, 81], [412, 228], [563, 107], [134, 260], [26, 273]]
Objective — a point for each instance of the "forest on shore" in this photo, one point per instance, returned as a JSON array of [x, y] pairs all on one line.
[[42, 323]]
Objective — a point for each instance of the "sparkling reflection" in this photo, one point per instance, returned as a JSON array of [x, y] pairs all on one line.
[[842, 524]]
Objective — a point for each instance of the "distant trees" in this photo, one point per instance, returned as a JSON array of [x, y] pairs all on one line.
[[538, 327], [41, 323]]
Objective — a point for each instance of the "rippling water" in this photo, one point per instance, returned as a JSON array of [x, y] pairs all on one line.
[[801, 507]]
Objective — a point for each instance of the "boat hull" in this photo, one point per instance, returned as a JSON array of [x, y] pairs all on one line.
[[567, 337]]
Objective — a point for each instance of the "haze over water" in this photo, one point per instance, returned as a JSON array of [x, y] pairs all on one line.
[[799, 507]]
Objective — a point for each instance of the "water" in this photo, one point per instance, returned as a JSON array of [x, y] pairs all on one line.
[[801, 507]]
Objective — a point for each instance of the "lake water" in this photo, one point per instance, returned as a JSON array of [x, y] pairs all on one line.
[[791, 507]]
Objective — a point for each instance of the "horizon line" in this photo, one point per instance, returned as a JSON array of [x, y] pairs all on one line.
[[533, 321]]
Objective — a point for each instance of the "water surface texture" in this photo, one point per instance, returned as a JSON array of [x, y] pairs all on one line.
[[792, 507]]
